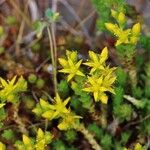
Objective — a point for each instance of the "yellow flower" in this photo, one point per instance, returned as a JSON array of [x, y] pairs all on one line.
[[2, 146], [57, 109], [42, 139], [122, 35], [68, 122], [138, 146], [99, 85], [71, 65], [97, 61], [135, 32]]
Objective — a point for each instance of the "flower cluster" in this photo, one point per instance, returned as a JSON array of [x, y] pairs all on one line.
[[101, 77], [125, 36], [42, 139], [57, 110], [10, 89]]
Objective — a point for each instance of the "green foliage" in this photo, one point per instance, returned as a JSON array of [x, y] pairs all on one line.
[[126, 51], [123, 112], [118, 97], [145, 127], [137, 92], [39, 26], [82, 96], [96, 130], [104, 7], [106, 141], [125, 137], [121, 77], [70, 135], [147, 80], [3, 114], [63, 88], [145, 42], [58, 145], [8, 134]]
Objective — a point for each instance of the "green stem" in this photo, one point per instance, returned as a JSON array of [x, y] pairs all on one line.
[[89, 137], [53, 60]]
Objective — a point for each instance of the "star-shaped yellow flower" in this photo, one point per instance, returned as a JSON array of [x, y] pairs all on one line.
[[68, 122], [122, 35], [71, 65], [99, 85], [57, 109], [97, 61]]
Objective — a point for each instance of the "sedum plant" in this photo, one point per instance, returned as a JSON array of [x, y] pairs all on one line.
[[10, 89], [101, 77], [124, 36], [57, 110], [39, 143]]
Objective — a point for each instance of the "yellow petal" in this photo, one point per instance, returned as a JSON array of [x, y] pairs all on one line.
[[48, 114], [70, 76], [96, 96], [26, 140], [40, 134], [104, 98], [114, 13], [63, 125], [79, 73], [104, 55], [138, 146], [3, 82], [43, 103], [93, 56], [78, 63], [134, 39], [71, 55], [87, 89], [121, 18], [112, 27], [2, 146], [65, 70], [63, 62], [1, 105], [66, 101], [136, 29]]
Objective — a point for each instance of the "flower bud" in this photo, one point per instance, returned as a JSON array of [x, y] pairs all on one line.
[[121, 18], [114, 13], [136, 29]]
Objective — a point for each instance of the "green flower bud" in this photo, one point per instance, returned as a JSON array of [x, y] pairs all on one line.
[[32, 78], [40, 83]]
